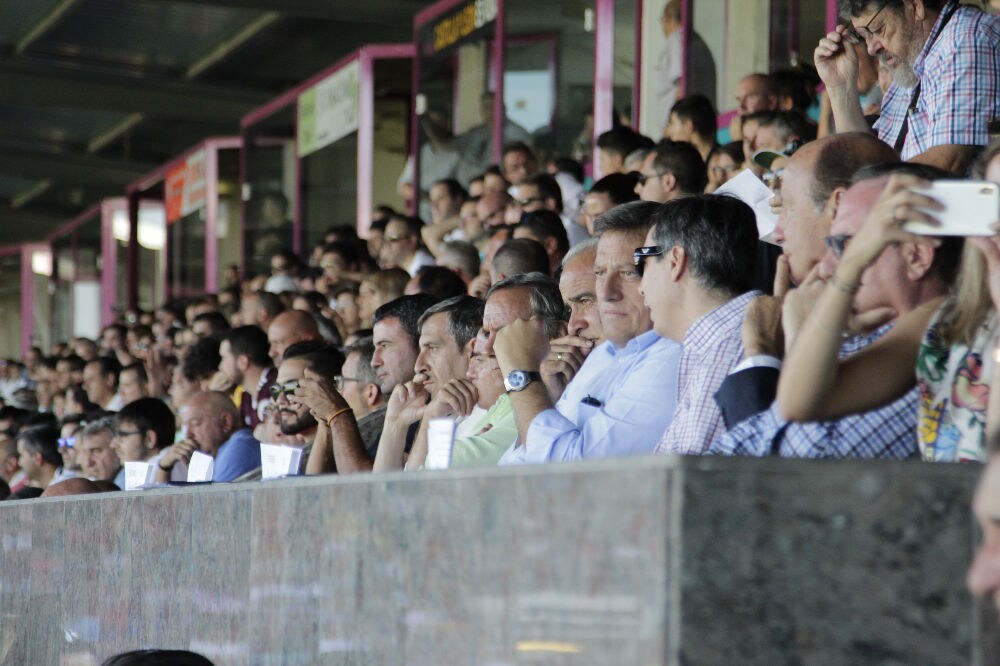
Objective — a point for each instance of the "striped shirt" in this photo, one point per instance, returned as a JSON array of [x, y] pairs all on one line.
[[959, 74], [713, 346]]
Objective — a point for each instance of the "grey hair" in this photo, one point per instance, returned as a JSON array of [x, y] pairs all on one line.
[[104, 424], [545, 300], [589, 245], [365, 349], [465, 317]]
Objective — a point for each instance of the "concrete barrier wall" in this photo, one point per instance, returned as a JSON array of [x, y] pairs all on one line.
[[645, 561]]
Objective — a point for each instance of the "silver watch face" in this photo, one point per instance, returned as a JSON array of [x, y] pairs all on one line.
[[517, 378]]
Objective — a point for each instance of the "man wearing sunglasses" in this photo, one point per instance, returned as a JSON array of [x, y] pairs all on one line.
[[945, 64], [621, 396], [697, 268], [905, 276], [674, 169]]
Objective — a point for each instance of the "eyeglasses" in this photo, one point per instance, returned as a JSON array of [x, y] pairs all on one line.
[[340, 380], [644, 177], [864, 33], [641, 254], [122, 434], [286, 389], [66, 442], [773, 178], [837, 243]]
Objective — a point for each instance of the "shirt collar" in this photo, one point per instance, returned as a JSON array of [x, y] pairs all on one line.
[[711, 328], [918, 66], [635, 345]]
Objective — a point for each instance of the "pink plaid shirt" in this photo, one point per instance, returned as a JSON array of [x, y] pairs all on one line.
[[712, 347]]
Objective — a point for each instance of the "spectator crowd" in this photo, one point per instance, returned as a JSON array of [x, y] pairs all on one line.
[[556, 319]]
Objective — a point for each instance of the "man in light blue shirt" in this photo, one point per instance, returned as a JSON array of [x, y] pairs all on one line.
[[623, 395]]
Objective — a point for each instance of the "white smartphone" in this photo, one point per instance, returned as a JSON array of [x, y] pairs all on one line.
[[970, 208]]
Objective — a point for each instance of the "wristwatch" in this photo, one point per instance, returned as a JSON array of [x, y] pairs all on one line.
[[518, 380]]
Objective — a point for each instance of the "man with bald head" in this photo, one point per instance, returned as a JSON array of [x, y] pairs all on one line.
[[289, 327], [215, 428], [812, 182], [905, 276]]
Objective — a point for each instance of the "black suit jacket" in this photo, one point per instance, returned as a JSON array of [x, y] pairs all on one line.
[[746, 393]]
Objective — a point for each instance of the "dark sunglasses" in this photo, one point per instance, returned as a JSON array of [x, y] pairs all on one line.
[[641, 254], [643, 177], [286, 389]]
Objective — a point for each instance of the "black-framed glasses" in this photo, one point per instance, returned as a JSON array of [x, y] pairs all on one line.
[[340, 380], [836, 244], [122, 434], [644, 177], [66, 442], [286, 389], [641, 254], [864, 33]]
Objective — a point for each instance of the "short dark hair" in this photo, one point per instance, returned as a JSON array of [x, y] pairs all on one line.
[[734, 149], [545, 298], [347, 251], [75, 362], [636, 217], [43, 439], [684, 161], [139, 368], [413, 224], [107, 365], [270, 303], [620, 187], [149, 414], [304, 347], [326, 362], [407, 309], [548, 188], [249, 341], [570, 166], [465, 317], [700, 111], [157, 658], [455, 189], [521, 255], [440, 282], [546, 224], [797, 86], [517, 147], [216, 321], [201, 360], [719, 236], [620, 140]]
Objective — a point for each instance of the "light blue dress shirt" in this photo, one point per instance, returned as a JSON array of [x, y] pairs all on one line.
[[618, 404]]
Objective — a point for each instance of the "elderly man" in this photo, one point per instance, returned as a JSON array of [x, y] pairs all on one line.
[[215, 428], [38, 455], [620, 395], [754, 92], [810, 185], [945, 64], [903, 278], [697, 270], [358, 385], [96, 456]]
